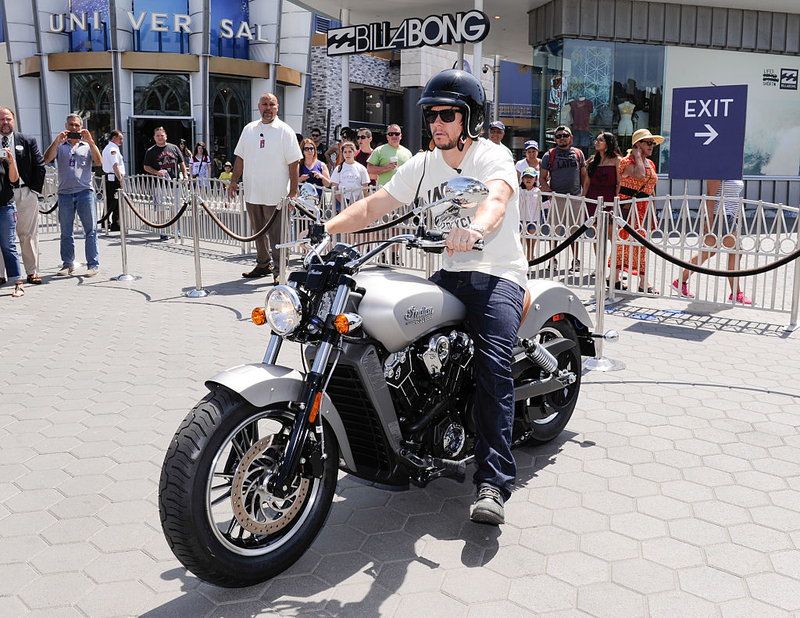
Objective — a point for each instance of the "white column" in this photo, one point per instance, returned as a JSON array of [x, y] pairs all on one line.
[[295, 48], [345, 76], [264, 13]]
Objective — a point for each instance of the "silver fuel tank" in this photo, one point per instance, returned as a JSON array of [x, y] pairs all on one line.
[[398, 308]]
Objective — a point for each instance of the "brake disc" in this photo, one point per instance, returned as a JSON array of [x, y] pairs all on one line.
[[256, 509]]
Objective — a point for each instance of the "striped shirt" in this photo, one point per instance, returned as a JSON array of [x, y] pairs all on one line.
[[729, 191]]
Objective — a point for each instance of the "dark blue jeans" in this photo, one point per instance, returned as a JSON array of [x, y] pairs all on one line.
[[494, 310], [8, 246]]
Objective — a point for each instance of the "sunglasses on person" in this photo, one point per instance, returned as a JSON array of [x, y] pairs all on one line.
[[308, 148], [394, 133], [447, 115], [365, 136], [649, 142], [315, 134], [563, 135]]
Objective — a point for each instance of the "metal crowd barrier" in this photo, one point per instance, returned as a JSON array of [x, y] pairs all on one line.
[[681, 226]]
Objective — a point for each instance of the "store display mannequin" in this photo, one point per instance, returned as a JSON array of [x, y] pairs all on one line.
[[581, 120], [625, 127], [565, 117]]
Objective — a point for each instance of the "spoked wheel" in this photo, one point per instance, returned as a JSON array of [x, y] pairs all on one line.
[[219, 517], [542, 418]]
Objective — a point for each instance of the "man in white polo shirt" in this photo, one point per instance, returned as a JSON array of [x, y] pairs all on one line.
[[113, 172], [267, 160]]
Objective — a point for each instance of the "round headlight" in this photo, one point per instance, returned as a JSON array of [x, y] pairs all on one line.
[[284, 310]]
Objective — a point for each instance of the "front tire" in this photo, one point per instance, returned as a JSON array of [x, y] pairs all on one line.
[[219, 519], [543, 418]]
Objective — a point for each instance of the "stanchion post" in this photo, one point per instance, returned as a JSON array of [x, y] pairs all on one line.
[[243, 211], [283, 253], [198, 291], [123, 235], [600, 362], [795, 296]]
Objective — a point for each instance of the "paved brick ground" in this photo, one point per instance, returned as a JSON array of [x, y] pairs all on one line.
[[674, 491]]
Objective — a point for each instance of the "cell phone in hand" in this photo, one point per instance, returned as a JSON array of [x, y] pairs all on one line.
[[3, 154], [73, 135]]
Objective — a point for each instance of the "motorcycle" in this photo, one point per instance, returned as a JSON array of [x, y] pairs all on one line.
[[250, 475]]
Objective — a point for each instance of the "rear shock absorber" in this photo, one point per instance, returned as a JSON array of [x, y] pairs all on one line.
[[541, 357]]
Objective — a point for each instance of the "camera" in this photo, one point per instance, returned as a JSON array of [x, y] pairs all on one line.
[[73, 135], [3, 154]]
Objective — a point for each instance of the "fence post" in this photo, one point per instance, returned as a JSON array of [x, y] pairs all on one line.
[[198, 291], [600, 362], [123, 234]]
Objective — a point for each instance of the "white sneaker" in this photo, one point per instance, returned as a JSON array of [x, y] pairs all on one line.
[[91, 272], [66, 270]]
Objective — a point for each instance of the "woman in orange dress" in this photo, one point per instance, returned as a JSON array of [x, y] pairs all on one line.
[[637, 179]]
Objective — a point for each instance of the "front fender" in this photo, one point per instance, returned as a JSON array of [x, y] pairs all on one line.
[[262, 385], [547, 299]]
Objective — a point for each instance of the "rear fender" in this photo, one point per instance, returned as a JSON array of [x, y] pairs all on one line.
[[262, 385], [549, 298]]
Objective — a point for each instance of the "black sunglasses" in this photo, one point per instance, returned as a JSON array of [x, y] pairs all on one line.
[[365, 136], [563, 135], [309, 148], [447, 115], [393, 133], [649, 142]]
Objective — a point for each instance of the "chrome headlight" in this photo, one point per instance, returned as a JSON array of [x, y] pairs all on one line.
[[284, 310]]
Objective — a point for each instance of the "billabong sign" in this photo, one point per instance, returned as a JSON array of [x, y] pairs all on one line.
[[467, 27]]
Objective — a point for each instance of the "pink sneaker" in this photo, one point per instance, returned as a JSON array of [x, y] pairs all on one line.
[[683, 288], [741, 298]]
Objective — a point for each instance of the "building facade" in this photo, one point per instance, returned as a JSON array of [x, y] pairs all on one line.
[[195, 67]]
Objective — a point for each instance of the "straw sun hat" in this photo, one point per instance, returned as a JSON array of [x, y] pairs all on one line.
[[641, 134]]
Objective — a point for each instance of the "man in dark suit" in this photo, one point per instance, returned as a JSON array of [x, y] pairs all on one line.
[[30, 164]]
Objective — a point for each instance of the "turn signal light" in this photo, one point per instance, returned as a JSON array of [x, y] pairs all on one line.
[[315, 408], [259, 316], [341, 324]]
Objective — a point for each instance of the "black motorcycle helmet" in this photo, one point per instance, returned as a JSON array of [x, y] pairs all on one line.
[[460, 89]]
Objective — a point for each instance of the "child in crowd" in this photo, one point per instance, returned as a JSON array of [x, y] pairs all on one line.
[[349, 177]]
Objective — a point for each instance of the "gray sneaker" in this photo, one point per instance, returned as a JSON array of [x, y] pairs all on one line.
[[67, 269], [91, 272], [488, 506]]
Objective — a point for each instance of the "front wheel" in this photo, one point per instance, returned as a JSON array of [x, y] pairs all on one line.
[[217, 514], [541, 419]]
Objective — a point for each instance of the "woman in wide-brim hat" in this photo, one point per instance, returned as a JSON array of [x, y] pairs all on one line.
[[637, 180]]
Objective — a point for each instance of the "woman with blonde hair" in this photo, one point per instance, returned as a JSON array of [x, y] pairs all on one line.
[[637, 180]]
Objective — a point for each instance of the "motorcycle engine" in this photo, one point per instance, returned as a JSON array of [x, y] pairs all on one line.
[[426, 380]]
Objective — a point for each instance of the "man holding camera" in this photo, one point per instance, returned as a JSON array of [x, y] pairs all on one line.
[[74, 151]]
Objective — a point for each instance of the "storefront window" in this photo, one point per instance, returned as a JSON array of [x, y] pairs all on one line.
[[147, 39], [90, 35], [594, 86], [375, 108], [229, 115], [236, 11], [161, 94], [91, 97]]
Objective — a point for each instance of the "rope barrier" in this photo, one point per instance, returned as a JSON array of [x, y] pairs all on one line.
[[158, 226], [554, 252], [47, 212], [709, 271], [222, 226]]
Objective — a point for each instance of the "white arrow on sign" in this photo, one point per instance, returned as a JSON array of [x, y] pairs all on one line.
[[711, 135]]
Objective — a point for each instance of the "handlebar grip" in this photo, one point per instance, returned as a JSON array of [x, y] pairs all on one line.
[[478, 246]]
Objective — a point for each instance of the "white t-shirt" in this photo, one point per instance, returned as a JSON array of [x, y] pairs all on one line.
[[112, 154], [351, 178], [266, 151], [530, 205], [502, 255]]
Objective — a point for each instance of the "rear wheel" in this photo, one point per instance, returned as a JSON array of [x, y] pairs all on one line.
[[217, 514], [541, 419]]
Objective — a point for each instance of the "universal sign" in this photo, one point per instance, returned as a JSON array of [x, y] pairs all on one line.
[[468, 27], [158, 22]]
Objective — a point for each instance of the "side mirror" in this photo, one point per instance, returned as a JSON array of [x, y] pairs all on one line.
[[308, 193], [463, 190]]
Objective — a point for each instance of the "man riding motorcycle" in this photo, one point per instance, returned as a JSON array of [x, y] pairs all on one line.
[[490, 282]]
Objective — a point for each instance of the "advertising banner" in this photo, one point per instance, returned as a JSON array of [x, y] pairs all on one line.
[[772, 131]]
